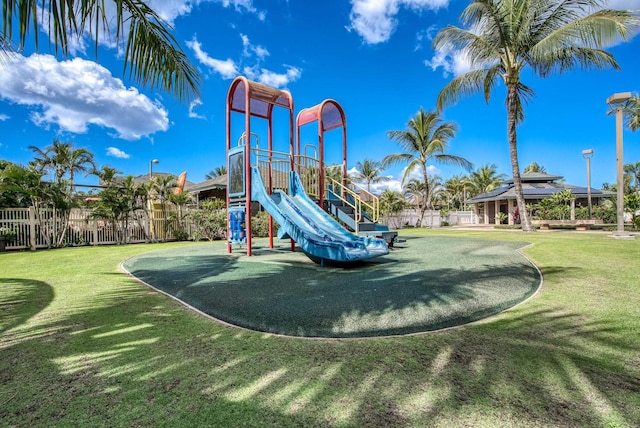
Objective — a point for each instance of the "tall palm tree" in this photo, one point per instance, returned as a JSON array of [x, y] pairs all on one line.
[[505, 37], [368, 171], [425, 139], [151, 55], [534, 167], [216, 172], [485, 179]]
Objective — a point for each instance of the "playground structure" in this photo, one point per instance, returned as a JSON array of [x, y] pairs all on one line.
[[292, 186]]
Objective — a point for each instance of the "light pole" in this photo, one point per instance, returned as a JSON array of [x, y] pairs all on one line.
[[151, 162], [587, 154], [616, 101]]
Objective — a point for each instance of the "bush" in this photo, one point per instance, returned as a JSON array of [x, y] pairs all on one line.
[[8, 234], [260, 225], [209, 221]]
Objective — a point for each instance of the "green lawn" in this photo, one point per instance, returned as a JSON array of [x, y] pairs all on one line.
[[82, 344]]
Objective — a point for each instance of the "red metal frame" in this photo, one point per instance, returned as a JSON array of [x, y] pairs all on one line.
[[322, 113], [255, 99]]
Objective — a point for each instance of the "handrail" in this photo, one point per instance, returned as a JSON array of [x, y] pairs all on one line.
[[374, 206], [356, 205], [308, 169]]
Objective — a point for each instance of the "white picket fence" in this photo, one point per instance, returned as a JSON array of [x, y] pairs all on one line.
[[410, 217], [39, 231]]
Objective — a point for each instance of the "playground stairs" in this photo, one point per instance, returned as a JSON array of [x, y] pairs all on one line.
[[350, 213]]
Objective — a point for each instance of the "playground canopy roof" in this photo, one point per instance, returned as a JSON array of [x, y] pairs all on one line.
[[261, 98], [328, 113]]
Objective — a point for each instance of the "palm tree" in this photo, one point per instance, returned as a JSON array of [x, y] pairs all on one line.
[[633, 171], [368, 171], [534, 167], [151, 54], [485, 179], [107, 175], [457, 187], [216, 172], [506, 37], [391, 202], [425, 139], [632, 113], [414, 192], [63, 159]]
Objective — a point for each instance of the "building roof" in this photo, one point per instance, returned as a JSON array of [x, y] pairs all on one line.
[[219, 182], [538, 186], [535, 177]]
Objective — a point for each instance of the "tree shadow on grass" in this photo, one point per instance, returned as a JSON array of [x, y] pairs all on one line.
[[21, 299], [151, 363]]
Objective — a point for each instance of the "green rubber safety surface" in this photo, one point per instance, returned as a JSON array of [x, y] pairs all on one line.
[[428, 283]]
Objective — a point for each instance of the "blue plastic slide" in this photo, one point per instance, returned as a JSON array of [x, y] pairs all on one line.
[[316, 232]]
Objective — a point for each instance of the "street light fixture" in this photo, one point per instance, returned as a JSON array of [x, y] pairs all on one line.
[[617, 101], [587, 154], [151, 162]]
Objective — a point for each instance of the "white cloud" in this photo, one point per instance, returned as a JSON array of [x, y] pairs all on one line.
[[273, 79], [394, 182], [425, 36], [229, 69], [169, 10], [117, 153], [375, 20], [452, 62], [250, 49], [76, 93], [195, 103], [3, 117]]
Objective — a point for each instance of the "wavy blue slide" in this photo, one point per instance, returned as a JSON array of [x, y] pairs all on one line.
[[316, 232]]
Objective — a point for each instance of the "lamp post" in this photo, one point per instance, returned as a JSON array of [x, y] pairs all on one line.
[[587, 154], [151, 162], [616, 101]]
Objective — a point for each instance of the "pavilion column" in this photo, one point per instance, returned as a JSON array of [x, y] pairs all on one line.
[[573, 209], [486, 212], [476, 210], [496, 211], [510, 210]]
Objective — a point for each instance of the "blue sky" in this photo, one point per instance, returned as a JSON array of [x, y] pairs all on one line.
[[372, 56]]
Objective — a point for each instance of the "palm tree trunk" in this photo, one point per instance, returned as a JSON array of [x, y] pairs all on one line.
[[426, 200], [513, 152]]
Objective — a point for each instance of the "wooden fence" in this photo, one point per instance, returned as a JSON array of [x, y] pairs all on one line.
[[39, 229]]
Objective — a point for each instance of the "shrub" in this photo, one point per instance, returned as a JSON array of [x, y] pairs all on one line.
[[260, 225], [8, 234], [209, 221]]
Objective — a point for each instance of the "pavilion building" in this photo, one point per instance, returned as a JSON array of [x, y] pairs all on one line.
[[535, 186]]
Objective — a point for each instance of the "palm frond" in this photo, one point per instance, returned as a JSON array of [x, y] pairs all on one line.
[[461, 86], [152, 57], [396, 158], [572, 57], [454, 160]]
